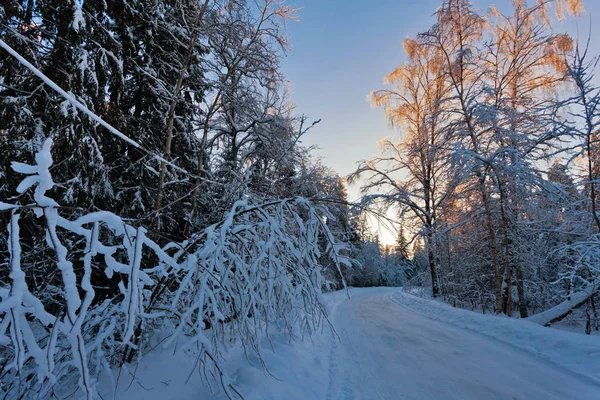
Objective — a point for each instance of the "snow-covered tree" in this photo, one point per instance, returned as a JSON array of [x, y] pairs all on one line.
[[416, 105]]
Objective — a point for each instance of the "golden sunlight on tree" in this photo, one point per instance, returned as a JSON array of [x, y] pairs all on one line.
[[475, 107]]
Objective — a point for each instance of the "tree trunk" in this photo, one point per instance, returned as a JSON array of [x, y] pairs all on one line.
[[508, 300], [171, 114], [521, 292], [170, 125], [198, 181], [435, 288], [493, 246], [591, 178], [560, 311], [595, 313]]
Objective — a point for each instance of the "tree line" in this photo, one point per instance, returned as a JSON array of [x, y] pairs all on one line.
[[154, 190], [496, 169]]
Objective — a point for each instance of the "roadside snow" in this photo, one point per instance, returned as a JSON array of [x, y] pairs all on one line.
[[297, 370], [391, 345], [577, 353]]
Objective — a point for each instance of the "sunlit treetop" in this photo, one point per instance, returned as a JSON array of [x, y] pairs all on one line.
[[572, 7]]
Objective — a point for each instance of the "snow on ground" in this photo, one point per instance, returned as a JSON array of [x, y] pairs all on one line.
[[298, 370], [395, 346], [577, 353]]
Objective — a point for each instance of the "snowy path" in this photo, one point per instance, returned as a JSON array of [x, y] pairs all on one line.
[[390, 352], [386, 351]]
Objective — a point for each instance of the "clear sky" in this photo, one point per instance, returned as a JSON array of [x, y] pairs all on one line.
[[342, 49]]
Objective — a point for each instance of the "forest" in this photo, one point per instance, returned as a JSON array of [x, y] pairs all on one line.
[[497, 168], [155, 190]]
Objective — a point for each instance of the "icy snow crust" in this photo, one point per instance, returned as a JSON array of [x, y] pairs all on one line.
[[391, 345]]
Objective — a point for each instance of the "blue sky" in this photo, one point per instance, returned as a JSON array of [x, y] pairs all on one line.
[[342, 49]]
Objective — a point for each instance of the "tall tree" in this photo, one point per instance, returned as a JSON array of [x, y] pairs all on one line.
[[416, 105]]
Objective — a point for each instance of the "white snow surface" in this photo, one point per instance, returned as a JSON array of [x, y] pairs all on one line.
[[575, 352], [392, 345]]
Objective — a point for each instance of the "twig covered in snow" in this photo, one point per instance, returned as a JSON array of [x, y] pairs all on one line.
[[260, 265]]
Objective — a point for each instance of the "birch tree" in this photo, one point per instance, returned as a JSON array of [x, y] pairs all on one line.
[[416, 106]]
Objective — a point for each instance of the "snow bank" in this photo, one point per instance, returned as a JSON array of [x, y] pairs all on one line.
[[577, 353], [172, 374]]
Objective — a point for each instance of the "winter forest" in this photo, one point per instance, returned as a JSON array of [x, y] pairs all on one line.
[[167, 230]]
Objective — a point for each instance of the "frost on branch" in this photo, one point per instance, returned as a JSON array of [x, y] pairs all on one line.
[[257, 269]]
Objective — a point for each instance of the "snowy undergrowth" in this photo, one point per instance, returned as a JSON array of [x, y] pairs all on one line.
[[575, 322], [175, 374], [227, 284], [577, 353]]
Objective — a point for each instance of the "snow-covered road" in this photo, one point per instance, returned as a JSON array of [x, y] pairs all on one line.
[[387, 351]]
